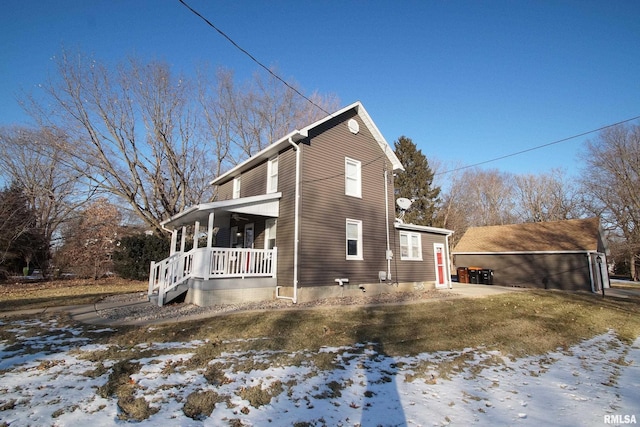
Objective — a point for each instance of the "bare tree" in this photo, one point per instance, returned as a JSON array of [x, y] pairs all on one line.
[[243, 120], [474, 198], [157, 167], [546, 197], [31, 160], [90, 239], [155, 139], [611, 180]]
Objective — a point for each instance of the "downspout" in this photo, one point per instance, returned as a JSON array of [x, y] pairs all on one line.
[[386, 203], [296, 228], [590, 265]]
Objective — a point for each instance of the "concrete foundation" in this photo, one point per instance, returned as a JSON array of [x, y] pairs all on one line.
[[236, 291], [206, 293]]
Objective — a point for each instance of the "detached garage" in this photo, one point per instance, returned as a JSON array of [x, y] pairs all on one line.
[[567, 255]]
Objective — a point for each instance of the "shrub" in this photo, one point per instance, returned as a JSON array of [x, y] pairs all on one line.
[[134, 254]]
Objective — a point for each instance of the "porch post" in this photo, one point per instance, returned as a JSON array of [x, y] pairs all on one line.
[[183, 239], [210, 231], [196, 231], [174, 241]]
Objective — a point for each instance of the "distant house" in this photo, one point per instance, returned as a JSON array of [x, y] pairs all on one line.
[[310, 216], [568, 255]]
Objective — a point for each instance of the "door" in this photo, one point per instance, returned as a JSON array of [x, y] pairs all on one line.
[[248, 236], [440, 265]]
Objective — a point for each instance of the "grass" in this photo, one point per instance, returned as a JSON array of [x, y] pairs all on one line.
[[526, 323], [522, 323], [37, 295]]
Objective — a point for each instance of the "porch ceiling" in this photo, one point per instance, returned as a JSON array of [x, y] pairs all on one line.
[[264, 205]]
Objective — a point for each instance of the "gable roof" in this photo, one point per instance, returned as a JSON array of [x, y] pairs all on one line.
[[298, 135], [554, 236]]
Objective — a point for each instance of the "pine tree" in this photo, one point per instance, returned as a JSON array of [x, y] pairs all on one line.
[[415, 183]]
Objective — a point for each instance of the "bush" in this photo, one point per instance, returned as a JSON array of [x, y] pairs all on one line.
[[134, 254]]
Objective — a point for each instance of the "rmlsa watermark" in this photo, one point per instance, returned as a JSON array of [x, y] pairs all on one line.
[[620, 419]]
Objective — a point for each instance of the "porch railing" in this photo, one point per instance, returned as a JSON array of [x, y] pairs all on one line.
[[210, 263]]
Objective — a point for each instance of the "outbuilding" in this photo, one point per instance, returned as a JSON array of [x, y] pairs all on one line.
[[567, 255]]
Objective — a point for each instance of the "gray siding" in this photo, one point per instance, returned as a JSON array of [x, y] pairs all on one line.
[[325, 207], [416, 271], [547, 271], [285, 225], [252, 183]]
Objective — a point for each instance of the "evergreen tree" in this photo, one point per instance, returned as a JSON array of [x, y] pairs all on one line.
[[415, 183], [134, 254], [22, 243]]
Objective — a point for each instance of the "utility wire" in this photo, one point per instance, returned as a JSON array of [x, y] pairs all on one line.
[[536, 147], [222, 33]]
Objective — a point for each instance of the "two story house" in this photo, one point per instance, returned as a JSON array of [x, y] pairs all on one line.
[[310, 216]]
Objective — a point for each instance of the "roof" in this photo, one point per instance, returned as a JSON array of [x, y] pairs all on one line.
[[555, 236], [298, 135], [265, 205]]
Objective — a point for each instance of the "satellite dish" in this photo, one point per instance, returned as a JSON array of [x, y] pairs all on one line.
[[403, 203]]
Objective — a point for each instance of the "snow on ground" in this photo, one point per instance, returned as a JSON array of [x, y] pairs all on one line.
[[45, 381]]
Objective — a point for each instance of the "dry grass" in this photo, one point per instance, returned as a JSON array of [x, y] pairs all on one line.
[[516, 324], [527, 322], [35, 295]]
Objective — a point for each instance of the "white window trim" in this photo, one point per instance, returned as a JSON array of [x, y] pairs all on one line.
[[358, 178], [411, 256], [358, 223], [270, 227], [272, 175], [236, 187]]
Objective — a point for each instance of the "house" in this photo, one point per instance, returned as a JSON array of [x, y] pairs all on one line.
[[568, 255], [310, 216]]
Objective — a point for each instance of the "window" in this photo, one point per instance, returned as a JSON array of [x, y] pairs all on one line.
[[354, 239], [270, 233], [352, 175], [236, 187], [272, 175], [410, 246]]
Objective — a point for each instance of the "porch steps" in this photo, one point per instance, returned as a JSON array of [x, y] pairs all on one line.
[[171, 295]]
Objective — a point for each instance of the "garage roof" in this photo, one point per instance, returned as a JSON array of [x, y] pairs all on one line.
[[554, 236]]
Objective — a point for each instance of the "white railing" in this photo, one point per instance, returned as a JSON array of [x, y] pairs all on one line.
[[210, 263]]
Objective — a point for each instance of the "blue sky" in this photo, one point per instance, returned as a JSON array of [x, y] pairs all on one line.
[[467, 81]]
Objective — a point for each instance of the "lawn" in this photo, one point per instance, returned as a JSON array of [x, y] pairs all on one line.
[[32, 295], [251, 368]]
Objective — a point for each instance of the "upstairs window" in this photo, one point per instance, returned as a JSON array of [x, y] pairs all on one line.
[[272, 175], [352, 177], [354, 239], [236, 187], [410, 246]]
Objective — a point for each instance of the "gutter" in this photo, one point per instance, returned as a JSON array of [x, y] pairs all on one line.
[[296, 218]]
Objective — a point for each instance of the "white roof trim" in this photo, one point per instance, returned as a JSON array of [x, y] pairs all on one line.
[[298, 135], [267, 204], [526, 252], [423, 228]]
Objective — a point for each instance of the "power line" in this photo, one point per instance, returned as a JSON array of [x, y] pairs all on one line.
[[536, 147], [223, 34]]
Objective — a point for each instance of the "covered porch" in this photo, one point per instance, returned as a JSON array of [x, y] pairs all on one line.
[[223, 251]]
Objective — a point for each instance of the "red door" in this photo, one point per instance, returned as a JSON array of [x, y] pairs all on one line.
[[441, 269]]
